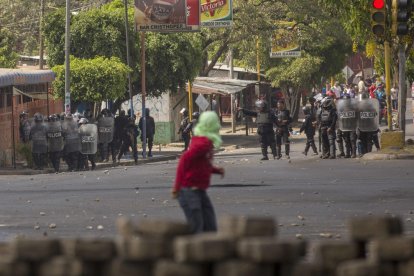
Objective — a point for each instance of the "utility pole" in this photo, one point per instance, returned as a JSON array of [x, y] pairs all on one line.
[[143, 88], [128, 57], [387, 56], [402, 95], [232, 96], [41, 47], [67, 59]]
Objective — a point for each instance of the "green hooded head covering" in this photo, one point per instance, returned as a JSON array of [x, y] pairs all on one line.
[[209, 125]]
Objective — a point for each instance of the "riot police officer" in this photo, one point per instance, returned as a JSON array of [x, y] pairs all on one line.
[[347, 120], [150, 130], [183, 125], [106, 125], [129, 139], [309, 128], [192, 124], [55, 141], [282, 128], [368, 122], [72, 142], [264, 120], [37, 136], [89, 142], [327, 119], [24, 128]]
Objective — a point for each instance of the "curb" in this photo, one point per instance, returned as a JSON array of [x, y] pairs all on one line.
[[98, 166], [388, 156]]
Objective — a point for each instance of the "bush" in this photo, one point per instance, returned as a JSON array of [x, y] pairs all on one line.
[[26, 152]]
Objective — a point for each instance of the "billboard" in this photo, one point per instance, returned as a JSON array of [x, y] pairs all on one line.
[[163, 16], [193, 14], [285, 41], [216, 13]]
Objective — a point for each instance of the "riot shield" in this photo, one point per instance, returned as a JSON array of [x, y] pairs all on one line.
[[347, 114], [71, 135], [38, 133], [105, 129], [368, 114], [89, 138], [54, 136]]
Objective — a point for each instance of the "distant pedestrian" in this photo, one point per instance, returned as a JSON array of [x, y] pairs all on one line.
[[194, 172]]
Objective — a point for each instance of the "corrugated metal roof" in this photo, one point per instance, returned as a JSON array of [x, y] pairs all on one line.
[[221, 85], [10, 77]]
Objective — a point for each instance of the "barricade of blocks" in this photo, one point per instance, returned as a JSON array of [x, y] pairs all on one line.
[[243, 246]]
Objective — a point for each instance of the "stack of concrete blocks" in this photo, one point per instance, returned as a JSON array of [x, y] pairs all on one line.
[[243, 246]]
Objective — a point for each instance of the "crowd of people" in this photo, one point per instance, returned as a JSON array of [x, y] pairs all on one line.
[[78, 138]]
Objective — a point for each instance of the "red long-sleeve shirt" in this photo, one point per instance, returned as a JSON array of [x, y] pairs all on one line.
[[195, 166]]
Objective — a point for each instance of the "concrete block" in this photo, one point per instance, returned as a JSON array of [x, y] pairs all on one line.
[[14, 268], [125, 227], [170, 268], [34, 250], [62, 266], [126, 268], [391, 249], [238, 226], [307, 269], [162, 228], [394, 139], [406, 268], [204, 248], [142, 248], [358, 268], [269, 250], [98, 250], [242, 268], [366, 228], [330, 254]]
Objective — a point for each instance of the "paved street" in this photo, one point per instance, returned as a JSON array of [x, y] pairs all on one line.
[[323, 193]]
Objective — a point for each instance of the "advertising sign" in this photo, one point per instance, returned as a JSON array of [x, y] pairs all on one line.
[[193, 14], [285, 41], [216, 13], [161, 16]]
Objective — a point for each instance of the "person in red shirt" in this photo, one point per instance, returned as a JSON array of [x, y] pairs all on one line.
[[194, 172]]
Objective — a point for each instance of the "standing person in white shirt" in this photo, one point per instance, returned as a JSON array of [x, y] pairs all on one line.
[[337, 90], [361, 85]]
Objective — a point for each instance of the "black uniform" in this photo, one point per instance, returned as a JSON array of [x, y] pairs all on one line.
[[120, 123], [184, 135], [129, 139], [309, 129], [282, 131], [265, 130], [150, 130], [328, 118]]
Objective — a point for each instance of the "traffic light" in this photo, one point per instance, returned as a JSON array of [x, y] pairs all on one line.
[[378, 17], [401, 10]]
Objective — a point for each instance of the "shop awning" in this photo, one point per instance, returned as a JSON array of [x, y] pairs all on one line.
[[223, 86], [9, 77]]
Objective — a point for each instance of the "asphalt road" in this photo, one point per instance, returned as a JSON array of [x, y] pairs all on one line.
[[306, 196]]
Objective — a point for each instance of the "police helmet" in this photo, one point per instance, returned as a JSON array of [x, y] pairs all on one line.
[[53, 118], [260, 104], [69, 116], [328, 103], [38, 117], [306, 110], [83, 121], [147, 111], [196, 115], [184, 112]]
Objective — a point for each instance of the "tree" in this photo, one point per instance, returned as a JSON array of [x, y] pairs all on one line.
[[172, 59], [8, 58], [92, 80]]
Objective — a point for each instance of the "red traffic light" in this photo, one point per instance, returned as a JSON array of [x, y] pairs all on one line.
[[378, 4]]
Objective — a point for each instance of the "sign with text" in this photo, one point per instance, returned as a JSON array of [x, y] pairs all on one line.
[[285, 41], [216, 13], [193, 14], [161, 16]]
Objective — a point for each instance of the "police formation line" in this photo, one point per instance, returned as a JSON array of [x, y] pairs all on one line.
[[353, 124], [77, 138]]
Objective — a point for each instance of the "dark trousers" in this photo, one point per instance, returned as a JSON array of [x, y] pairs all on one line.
[[150, 143], [198, 210], [186, 139], [328, 143], [71, 159], [310, 142], [55, 160], [38, 159], [125, 146], [83, 163], [350, 143], [364, 142], [267, 139]]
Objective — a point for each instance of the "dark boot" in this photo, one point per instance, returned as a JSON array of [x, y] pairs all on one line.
[[264, 153], [305, 152], [150, 152], [341, 149], [279, 152], [274, 151], [315, 151], [332, 150], [287, 150]]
